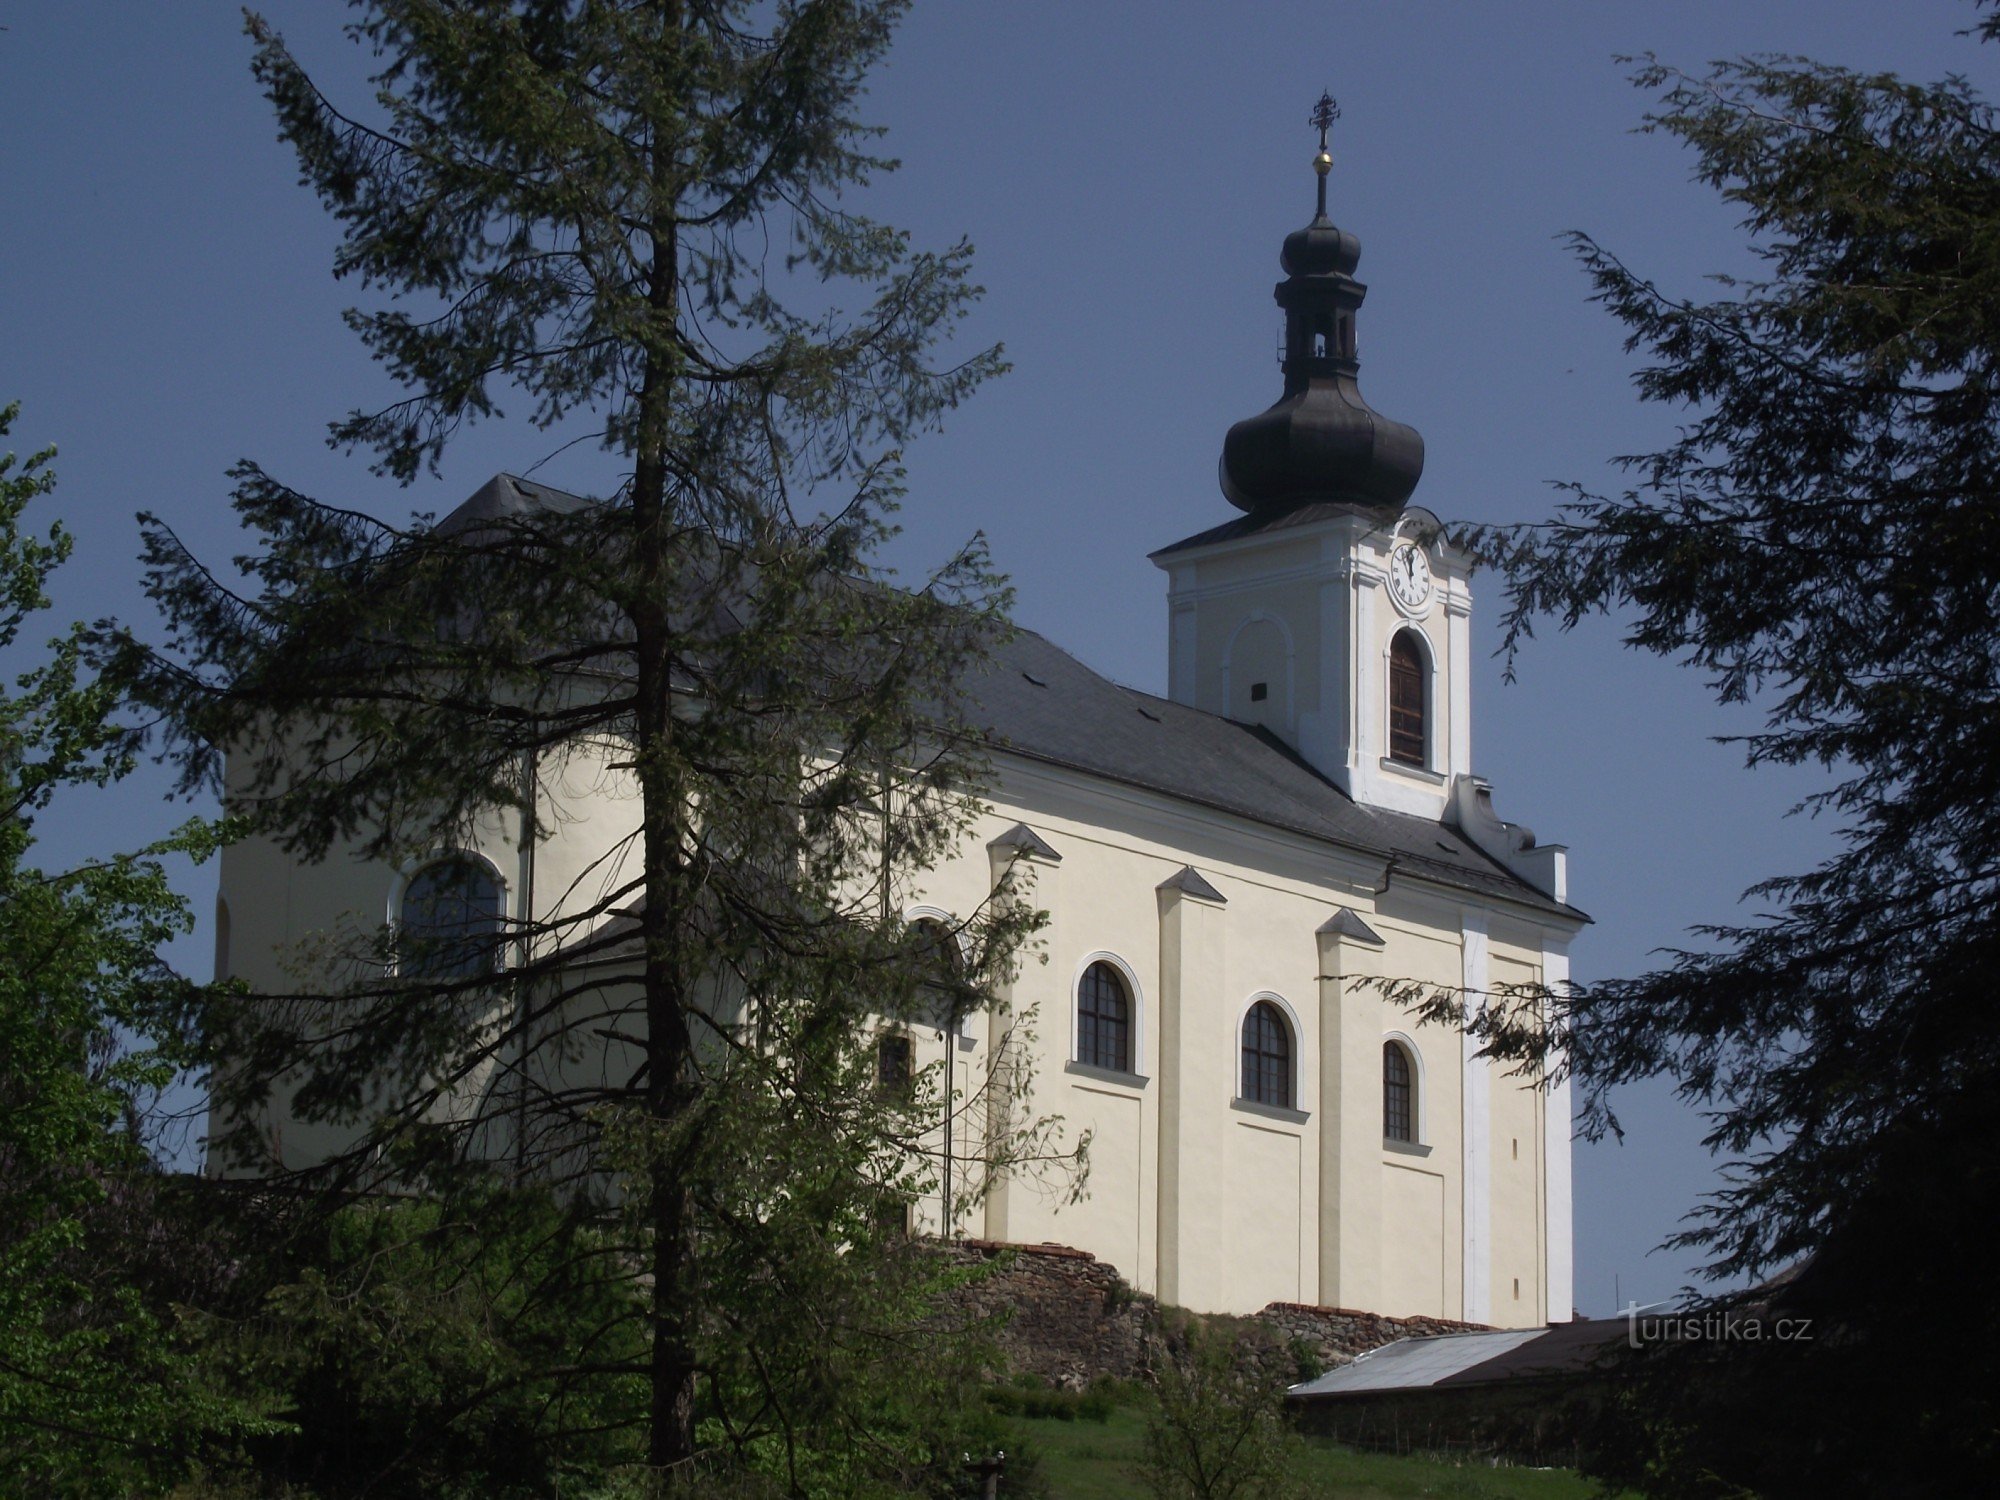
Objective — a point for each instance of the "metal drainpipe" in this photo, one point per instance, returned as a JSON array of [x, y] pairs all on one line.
[[532, 759], [950, 1082]]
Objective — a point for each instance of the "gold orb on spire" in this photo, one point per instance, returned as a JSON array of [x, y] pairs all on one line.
[[1323, 163]]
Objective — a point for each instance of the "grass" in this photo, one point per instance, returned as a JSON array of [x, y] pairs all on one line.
[[1098, 1461]]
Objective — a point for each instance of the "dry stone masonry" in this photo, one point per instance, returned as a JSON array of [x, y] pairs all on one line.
[[1069, 1318]]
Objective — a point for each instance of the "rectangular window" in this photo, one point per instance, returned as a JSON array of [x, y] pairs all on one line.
[[892, 1063]]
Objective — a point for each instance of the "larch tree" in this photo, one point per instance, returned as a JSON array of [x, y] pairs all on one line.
[[627, 214], [1823, 539]]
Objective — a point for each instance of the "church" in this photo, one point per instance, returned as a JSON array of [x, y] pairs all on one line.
[[1227, 873]]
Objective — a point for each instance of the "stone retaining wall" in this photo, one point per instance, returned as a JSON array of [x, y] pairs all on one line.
[[1067, 1317], [1061, 1314]]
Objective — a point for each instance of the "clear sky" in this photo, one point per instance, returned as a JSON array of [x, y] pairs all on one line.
[[1127, 172]]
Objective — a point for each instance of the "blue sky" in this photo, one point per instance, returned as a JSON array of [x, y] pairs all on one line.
[[1127, 172]]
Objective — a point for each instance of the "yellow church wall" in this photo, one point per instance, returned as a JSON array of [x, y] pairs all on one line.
[[1419, 1261], [1190, 1193], [299, 926], [1414, 1280]]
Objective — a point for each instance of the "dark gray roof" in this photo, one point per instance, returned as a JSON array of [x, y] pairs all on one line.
[[1025, 839], [1259, 522], [1040, 702], [1347, 923], [1191, 882], [505, 496]]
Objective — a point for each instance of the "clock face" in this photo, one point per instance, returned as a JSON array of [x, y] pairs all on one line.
[[1410, 576]]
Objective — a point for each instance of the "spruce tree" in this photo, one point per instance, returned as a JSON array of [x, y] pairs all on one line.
[[1823, 540], [630, 214]]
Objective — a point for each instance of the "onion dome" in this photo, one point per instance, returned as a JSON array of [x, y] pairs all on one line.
[[1322, 441]]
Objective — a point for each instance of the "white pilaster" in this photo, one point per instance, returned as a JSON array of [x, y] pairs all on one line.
[[1458, 674], [1476, 1130], [1182, 645], [1556, 1126], [1370, 714]]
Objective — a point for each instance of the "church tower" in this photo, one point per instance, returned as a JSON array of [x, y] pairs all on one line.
[[1331, 614]]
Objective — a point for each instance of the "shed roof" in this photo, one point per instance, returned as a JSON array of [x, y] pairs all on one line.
[[1454, 1360]]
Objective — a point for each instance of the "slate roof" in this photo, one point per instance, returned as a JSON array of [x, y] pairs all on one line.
[[1261, 521], [1039, 702], [506, 496]]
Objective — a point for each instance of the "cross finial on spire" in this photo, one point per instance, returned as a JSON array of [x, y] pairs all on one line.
[[1324, 114]]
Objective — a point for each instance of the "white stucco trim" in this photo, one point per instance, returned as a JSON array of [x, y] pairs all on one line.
[[1476, 1129], [1420, 1116], [1298, 1031], [1134, 992], [1556, 1167], [923, 913]]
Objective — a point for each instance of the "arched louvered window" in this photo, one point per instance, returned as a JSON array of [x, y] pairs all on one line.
[[449, 924], [1399, 1095], [1409, 731], [1267, 1056], [1104, 1019]]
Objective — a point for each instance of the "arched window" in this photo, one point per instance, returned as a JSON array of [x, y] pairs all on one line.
[[1103, 1019], [938, 950], [1409, 734], [1399, 1095], [450, 920], [1267, 1056]]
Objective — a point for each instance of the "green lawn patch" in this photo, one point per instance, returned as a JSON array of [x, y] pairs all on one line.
[[1088, 1460]]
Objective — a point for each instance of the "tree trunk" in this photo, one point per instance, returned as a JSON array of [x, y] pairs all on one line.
[[667, 1093]]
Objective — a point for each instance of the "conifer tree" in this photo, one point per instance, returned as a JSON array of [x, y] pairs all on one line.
[[630, 214], [1822, 539]]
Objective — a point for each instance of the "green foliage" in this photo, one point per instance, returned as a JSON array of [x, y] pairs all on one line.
[[92, 1025], [577, 204], [1086, 1462], [1306, 1361], [1823, 540], [407, 1354], [1218, 1431], [1037, 1400]]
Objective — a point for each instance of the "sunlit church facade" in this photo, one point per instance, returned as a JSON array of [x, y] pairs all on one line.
[[1224, 871]]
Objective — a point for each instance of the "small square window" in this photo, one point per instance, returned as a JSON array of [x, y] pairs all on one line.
[[1259, 691]]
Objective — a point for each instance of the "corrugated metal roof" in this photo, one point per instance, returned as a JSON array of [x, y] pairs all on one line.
[[1415, 1363]]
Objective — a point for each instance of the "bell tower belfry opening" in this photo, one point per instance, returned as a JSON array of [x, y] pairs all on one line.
[[1331, 613]]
